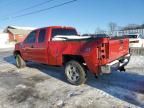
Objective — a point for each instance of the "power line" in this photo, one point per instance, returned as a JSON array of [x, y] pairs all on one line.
[[33, 6], [36, 5], [38, 11], [45, 9]]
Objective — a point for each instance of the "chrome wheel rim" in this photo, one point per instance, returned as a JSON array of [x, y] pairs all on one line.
[[72, 73]]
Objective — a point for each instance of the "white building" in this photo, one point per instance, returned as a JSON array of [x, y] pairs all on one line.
[[132, 31], [4, 38]]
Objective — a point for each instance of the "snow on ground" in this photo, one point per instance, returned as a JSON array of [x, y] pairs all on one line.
[[136, 64], [4, 38], [41, 86], [136, 61], [68, 37], [7, 47]]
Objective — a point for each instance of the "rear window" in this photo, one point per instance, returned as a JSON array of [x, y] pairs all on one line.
[[56, 32]]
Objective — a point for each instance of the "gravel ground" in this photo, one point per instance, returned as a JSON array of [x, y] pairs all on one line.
[[41, 86]]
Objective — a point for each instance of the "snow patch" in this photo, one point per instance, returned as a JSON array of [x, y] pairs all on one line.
[[67, 37], [136, 61]]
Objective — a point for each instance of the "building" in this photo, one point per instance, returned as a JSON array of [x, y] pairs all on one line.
[[17, 34], [132, 31]]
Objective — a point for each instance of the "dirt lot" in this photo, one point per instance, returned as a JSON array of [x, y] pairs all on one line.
[[41, 86]]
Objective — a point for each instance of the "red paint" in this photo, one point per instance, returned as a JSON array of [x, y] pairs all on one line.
[[95, 53]]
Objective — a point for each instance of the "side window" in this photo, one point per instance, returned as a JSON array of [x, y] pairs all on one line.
[[42, 34], [31, 37]]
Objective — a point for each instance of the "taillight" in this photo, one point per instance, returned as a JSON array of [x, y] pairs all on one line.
[[103, 51], [103, 54]]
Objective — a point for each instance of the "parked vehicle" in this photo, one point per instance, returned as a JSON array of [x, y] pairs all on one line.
[[96, 35], [62, 46], [136, 40]]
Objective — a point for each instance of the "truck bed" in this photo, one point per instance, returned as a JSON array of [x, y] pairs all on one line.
[[114, 48]]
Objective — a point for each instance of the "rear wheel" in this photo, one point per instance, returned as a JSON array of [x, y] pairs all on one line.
[[20, 63], [75, 73]]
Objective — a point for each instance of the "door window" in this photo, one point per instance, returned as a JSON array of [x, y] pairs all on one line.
[[31, 37], [42, 34]]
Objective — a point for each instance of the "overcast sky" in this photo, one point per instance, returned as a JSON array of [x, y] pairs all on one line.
[[85, 15]]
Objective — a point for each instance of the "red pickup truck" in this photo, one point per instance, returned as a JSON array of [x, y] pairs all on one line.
[[62, 46]]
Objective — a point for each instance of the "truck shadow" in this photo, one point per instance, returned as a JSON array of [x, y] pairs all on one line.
[[122, 85], [10, 59]]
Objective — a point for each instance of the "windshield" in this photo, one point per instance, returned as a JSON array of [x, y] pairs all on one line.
[[132, 36], [61, 31]]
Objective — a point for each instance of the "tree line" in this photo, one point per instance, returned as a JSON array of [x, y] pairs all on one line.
[[112, 27]]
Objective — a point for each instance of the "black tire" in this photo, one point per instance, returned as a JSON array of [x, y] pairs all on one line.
[[20, 63], [75, 73], [122, 69]]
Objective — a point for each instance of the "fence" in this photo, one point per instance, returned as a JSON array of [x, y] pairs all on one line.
[[137, 51], [123, 32]]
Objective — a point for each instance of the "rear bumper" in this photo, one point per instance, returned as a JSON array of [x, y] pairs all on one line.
[[133, 45], [117, 64]]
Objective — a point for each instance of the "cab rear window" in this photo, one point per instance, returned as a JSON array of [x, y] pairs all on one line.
[[61, 31]]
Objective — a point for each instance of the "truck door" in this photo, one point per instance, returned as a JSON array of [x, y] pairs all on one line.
[[28, 50], [41, 47]]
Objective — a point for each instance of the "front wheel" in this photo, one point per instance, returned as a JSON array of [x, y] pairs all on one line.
[[20, 63], [75, 73]]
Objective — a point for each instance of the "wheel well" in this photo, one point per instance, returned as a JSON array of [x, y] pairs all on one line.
[[67, 58], [17, 52]]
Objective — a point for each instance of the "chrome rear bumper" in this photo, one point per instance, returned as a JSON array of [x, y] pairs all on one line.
[[117, 64]]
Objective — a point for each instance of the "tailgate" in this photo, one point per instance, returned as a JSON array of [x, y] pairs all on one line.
[[118, 47]]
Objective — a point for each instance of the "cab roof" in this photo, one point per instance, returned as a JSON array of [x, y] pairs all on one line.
[[56, 27]]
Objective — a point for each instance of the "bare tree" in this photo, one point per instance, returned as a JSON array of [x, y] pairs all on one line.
[[99, 31], [112, 27], [131, 26], [142, 25]]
